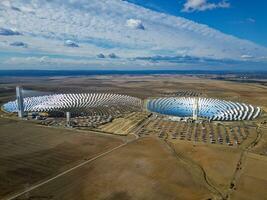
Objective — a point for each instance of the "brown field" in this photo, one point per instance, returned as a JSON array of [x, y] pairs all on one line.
[[253, 180], [30, 153], [218, 162], [124, 125], [261, 147], [154, 166], [145, 169]]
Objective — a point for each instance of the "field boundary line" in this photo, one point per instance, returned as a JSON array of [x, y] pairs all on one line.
[[68, 171], [188, 163]]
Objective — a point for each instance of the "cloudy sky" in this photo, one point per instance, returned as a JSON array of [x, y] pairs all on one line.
[[133, 34]]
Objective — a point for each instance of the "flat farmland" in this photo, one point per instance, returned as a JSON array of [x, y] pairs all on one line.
[[144, 169], [125, 125], [219, 162], [30, 153], [170, 160], [253, 180]]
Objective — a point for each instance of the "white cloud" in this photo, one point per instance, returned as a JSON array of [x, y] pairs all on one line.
[[29, 62], [202, 5], [70, 43], [245, 56], [8, 32], [106, 26], [135, 24], [45, 60]]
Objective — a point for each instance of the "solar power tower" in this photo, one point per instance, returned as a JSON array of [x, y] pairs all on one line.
[[195, 109], [20, 101], [68, 115]]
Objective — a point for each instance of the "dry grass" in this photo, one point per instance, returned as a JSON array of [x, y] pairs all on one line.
[[253, 181], [124, 125], [219, 162], [30, 153], [145, 169]]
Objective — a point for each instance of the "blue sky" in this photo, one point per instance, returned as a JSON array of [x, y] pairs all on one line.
[[245, 19], [133, 34]]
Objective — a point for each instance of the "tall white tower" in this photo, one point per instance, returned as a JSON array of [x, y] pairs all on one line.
[[195, 108], [68, 119], [20, 101]]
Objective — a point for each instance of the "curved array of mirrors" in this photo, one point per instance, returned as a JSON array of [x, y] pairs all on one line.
[[113, 104], [92, 103], [212, 109]]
